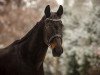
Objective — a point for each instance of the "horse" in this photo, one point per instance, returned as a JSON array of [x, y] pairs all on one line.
[[25, 56]]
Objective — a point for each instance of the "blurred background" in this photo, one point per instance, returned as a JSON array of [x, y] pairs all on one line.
[[81, 40]]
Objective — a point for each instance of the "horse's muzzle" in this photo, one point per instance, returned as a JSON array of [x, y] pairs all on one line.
[[56, 45], [57, 51]]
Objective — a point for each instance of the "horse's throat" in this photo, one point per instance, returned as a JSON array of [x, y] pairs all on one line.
[[40, 57]]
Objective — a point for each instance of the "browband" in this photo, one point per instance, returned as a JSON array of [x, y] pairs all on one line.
[[53, 19]]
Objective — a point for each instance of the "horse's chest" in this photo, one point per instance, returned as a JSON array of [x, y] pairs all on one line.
[[19, 69], [13, 65]]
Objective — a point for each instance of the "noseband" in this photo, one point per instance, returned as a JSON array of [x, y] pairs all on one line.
[[56, 35]]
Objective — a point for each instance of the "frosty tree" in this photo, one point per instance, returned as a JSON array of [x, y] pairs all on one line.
[[81, 37]]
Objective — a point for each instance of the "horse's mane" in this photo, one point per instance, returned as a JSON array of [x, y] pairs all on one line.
[[27, 36], [35, 28], [30, 32]]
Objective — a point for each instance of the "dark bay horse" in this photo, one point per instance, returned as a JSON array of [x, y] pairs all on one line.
[[25, 56]]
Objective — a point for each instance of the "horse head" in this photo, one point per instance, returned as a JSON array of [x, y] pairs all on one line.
[[53, 30]]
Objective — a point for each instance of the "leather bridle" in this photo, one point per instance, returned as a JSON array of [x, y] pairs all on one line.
[[54, 36], [57, 35]]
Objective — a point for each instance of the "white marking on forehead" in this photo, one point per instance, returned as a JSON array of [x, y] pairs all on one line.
[[53, 19]]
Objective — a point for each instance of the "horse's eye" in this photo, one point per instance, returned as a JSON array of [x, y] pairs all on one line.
[[47, 21], [60, 22]]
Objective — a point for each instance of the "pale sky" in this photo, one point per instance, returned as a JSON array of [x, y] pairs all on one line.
[[60, 2]]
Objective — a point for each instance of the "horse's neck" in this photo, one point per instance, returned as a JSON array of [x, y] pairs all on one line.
[[33, 48]]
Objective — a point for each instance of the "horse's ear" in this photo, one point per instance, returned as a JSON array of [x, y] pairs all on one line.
[[60, 11], [47, 11]]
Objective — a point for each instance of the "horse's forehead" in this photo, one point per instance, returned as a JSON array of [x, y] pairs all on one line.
[[54, 15]]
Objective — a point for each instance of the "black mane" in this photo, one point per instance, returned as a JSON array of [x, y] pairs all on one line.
[[33, 30]]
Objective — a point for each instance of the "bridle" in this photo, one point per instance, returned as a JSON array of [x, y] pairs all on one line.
[[53, 19], [56, 35]]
